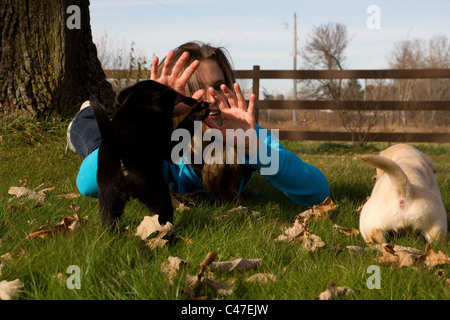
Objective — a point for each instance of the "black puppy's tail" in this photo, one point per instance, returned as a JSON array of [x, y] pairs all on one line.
[[109, 139]]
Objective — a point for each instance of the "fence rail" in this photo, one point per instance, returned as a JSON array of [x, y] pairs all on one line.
[[256, 74]]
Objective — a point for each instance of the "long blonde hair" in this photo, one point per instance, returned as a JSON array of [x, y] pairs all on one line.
[[221, 180]]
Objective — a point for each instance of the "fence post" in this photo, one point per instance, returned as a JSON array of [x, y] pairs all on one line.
[[256, 89]]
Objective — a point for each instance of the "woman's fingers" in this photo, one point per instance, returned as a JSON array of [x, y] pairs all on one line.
[[154, 69], [189, 71], [179, 64], [167, 63], [240, 97], [198, 94]]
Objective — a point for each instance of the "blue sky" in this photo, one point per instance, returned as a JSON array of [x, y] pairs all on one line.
[[260, 32]]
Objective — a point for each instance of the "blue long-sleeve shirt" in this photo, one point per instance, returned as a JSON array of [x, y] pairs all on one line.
[[301, 182]]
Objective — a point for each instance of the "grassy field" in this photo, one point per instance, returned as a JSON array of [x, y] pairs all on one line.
[[118, 265]]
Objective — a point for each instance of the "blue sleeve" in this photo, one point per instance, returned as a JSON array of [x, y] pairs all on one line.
[[87, 175], [301, 182], [180, 178]]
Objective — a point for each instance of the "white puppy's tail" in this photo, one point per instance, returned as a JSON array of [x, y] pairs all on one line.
[[398, 177]]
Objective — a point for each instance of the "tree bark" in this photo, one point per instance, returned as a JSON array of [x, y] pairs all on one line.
[[48, 62]]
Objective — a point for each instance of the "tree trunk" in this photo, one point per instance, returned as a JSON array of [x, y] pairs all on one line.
[[48, 62]]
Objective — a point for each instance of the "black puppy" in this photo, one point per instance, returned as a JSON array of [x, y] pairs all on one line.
[[134, 144]]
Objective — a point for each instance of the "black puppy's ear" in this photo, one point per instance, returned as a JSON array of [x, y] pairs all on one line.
[[189, 101], [120, 98]]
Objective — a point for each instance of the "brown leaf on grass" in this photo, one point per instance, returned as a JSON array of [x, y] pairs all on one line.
[[431, 259], [299, 232], [194, 284], [311, 241], [68, 196], [172, 267], [209, 259], [178, 205], [261, 278], [44, 191], [398, 256], [26, 193], [240, 265], [397, 259], [157, 242], [149, 225], [293, 233], [347, 231], [67, 226], [318, 211], [10, 289], [173, 263], [333, 292], [29, 193]]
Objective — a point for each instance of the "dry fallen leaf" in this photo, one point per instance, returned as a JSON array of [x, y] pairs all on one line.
[[311, 241], [26, 193], [178, 205], [318, 211], [151, 224], [262, 278], [194, 284], [431, 259], [398, 256], [333, 292], [347, 231], [398, 259], [157, 242], [67, 226], [293, 233], [210, 258], [241, 265], [299, 232], [68, 196], [10, 289], [173, 263], [172, 266]]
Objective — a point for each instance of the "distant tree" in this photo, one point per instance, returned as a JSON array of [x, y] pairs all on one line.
[[48, 61], [325, 50], [416, 54]]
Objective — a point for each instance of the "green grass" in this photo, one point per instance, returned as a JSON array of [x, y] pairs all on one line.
[[118, 266]]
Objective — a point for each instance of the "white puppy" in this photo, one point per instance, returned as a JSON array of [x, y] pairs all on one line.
[[405, 197]]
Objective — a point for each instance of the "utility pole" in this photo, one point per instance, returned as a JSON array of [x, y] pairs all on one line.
[[294, 111]]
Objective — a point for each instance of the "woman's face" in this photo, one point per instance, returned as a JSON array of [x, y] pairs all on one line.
[[211, 75]]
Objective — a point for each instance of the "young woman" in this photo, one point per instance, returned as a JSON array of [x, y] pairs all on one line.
[[204, 72]]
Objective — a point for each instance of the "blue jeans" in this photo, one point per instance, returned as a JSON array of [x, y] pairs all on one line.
[[84, 133]]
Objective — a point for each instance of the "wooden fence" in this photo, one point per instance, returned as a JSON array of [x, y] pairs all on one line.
[[256, 75]]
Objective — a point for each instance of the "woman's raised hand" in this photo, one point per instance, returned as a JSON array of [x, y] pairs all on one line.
[[235, 113], [174, 77]]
